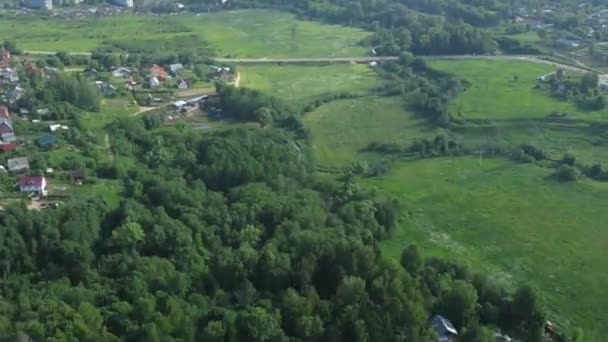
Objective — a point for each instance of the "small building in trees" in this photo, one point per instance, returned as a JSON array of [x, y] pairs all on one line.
[[78, 176], [18, 165], [443, 328]]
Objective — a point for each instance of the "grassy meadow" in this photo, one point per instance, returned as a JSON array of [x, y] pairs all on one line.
[[342, 128], [510, 219], [302, 84], [494, 93], [242, 33]]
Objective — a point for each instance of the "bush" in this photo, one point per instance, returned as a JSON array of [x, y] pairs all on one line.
[[567, 173]]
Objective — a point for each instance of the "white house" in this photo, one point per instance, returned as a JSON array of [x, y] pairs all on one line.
[[122, 72], [35, 185]]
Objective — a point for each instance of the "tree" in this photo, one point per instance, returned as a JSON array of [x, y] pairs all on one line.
[[567, 173], [258, 324], [263, 116], [11, 46], [476, 333], [458, 304], [128, 235], [411, 259], [589, 81]]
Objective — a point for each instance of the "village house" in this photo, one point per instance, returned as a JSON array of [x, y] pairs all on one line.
[[78, 176], [181, 84], [4, 113], [443, 328], [151, 82], [122, 72], [6, 148], [33, 185], [15, 94], [105, 87], [47, 141], [18, 165], [175, 67], [6, 132], [157, 71]]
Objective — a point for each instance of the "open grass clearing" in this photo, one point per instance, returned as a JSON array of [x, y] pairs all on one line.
[[342, 128], [301, 85], [242, 33], [494, 94], [509, 219]]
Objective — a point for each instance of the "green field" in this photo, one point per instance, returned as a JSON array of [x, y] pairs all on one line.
[[509, 219], [342, 128], [243, 33], [495, 95], [303, 84]]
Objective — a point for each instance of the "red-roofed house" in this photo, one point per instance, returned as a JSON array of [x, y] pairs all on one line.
[[4, 112], [7, 147], [158, 72], [35, 185]]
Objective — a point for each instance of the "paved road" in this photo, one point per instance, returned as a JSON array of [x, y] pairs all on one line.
[[307, 60], [529, 58]]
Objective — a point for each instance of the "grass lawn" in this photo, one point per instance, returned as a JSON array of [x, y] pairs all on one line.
[[342, 128], [495, 95], [107, 190], [509, 219], [302, 84], [526, 37], [243, 33], [110, 109]]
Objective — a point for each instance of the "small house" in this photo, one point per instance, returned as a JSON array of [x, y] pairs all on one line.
[[33, 185], [8, 147], [18, 165], [151, 82], [47, 141], [77, 176], [122, 72], [181, 84], [6, 131], [443, 328], [43, 111], [15, 94], [175, 67], [157, 71], [4, 112]]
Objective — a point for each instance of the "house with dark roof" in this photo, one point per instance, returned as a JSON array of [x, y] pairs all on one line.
[[18, 165], [443, 328], [7, 134], [78, 176], [47, 141], [182, 84], [33, 185]]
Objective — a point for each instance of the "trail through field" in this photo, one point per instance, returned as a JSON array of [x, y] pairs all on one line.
[[143, 110], [106, 143], [237, 80]]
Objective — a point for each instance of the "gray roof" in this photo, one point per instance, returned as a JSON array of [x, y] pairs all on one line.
[[18, 163], [442, 326]]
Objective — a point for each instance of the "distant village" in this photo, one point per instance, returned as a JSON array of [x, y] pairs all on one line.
[[156, 87]]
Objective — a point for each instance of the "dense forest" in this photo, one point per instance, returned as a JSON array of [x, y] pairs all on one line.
[[232, 237]]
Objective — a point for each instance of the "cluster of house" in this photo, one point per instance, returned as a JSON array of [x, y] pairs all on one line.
[[35, 185], [157, 74], [445, 331], [189, 106], [48, 4]]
